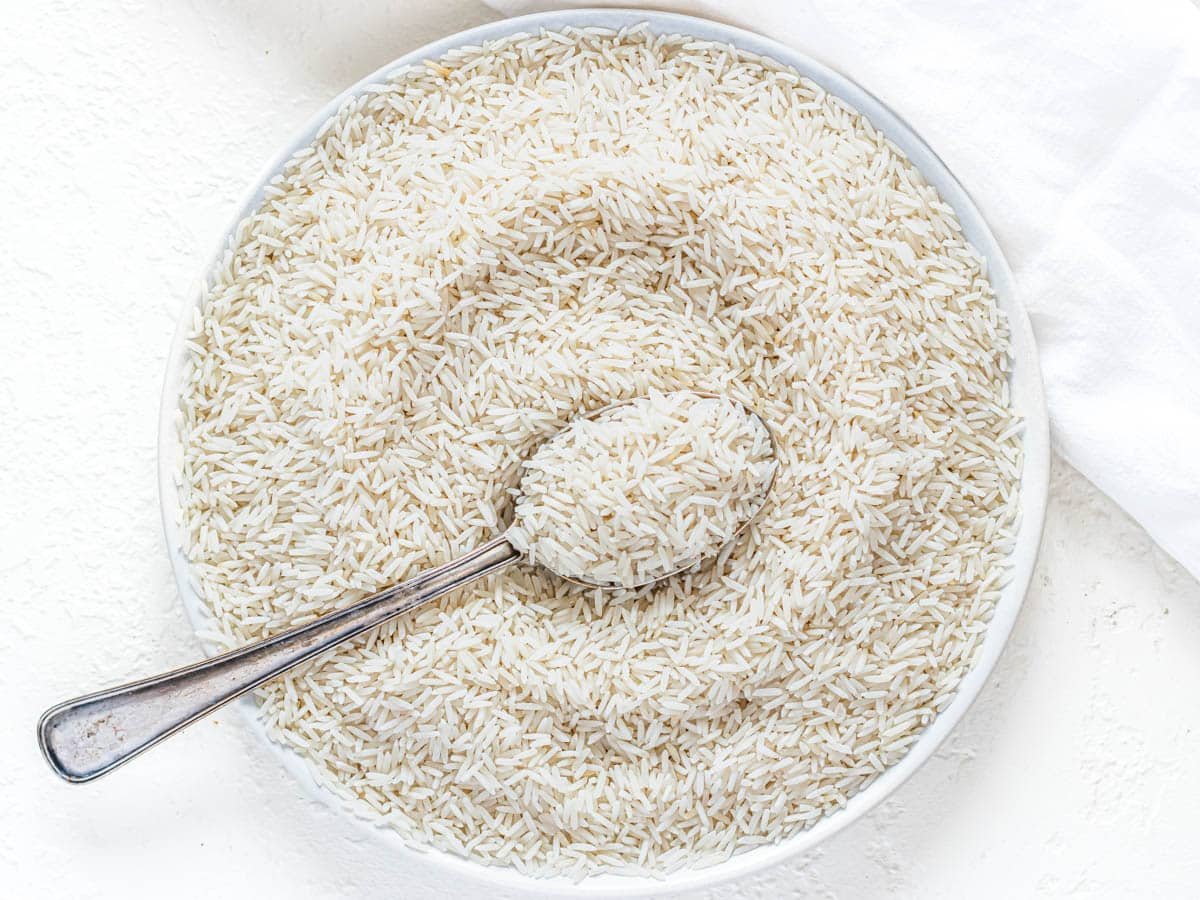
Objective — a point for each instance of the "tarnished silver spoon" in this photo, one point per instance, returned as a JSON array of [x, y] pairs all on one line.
[[89, 736]]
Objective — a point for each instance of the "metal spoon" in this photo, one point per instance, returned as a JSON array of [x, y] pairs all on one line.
[[89, 736]]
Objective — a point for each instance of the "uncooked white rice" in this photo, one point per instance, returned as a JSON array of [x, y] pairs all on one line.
[[463, 260], [642, 490]]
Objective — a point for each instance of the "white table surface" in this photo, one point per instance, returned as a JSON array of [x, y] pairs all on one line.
[[129, 131]]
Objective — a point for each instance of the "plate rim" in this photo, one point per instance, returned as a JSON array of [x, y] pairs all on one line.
[[1027, 397]]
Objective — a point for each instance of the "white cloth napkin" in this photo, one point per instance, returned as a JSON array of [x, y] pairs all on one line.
[[1075, 125]]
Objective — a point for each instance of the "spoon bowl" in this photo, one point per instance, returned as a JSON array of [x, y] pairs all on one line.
[[691, 564]]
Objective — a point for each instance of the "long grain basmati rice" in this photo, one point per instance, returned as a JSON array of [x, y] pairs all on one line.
[[471, 254]]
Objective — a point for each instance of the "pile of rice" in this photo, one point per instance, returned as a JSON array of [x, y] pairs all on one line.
[[642, 490], [469, 256]]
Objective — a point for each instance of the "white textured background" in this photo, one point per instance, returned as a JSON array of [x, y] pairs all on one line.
[[129, 132]]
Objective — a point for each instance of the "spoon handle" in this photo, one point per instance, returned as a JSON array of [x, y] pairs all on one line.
[[86, 737]]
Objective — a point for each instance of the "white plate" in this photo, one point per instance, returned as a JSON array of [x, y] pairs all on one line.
[[435, 867]]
